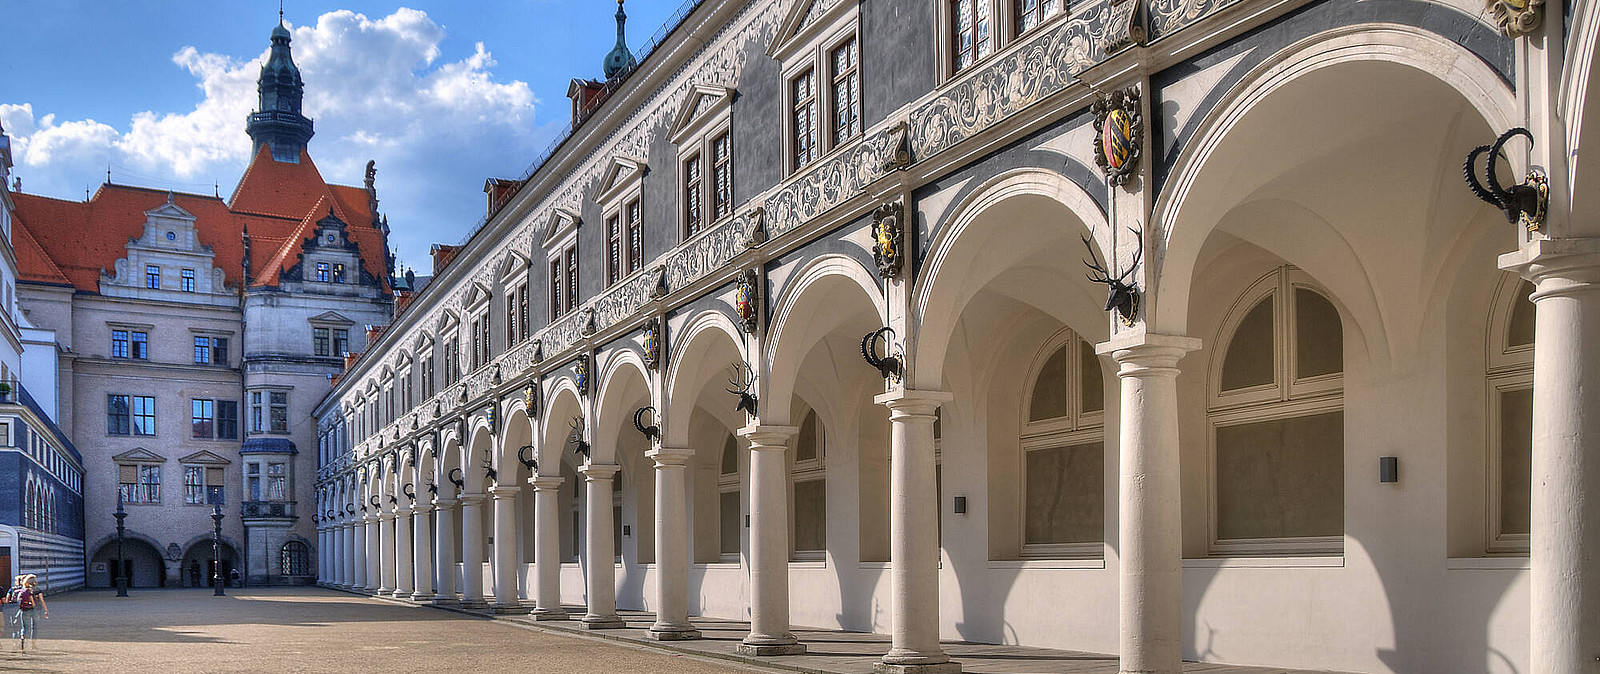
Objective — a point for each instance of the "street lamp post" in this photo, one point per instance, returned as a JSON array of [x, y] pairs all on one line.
[[216, 551], [122, 575]]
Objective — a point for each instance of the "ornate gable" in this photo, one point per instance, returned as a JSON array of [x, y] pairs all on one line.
[[801, 20], [562, 221], [703, 102], [620, 173]]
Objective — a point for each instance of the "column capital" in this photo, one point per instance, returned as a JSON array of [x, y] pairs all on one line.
[[669, 456], [473, 498], [505, 491], [766, 437], [1557, 266], [445, 503], [546, 482], [913, 401], [403, 510], [1147, 353], [599, 471]]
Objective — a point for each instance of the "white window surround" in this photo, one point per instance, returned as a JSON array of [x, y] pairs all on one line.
[[1002, 33], [1508, 368], [1078, 427], [804, 41], [800, 472], [561, 235], [622, 183], [704, 114], [1287, 397]]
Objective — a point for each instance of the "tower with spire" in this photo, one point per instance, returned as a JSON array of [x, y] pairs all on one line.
[[620, 60], [277, 121]]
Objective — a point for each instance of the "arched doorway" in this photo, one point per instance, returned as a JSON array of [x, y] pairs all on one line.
[[141, 563], [199, 567]]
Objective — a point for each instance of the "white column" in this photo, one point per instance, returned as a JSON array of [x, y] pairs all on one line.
[[547, 548], [598, 544], [322, 554], [672, 546], [422, 556], [769, 543], [913, 536], [1150, 576], [347, 547], [386, 560], [360, 532], [1564, 580], [444, 550], [404, 585], [472, 551], [505, 548], [374, 552]]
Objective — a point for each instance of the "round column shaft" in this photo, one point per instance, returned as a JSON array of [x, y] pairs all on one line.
[[913, 536], [505, 549], [472, 551], [672, 546], [769, 543], [598, 544], [547, 547]]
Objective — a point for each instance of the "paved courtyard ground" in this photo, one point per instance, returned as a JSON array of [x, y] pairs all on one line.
[[307, 630]]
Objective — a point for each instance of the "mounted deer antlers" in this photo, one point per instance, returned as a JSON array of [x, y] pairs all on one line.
[[742, 384], [889, 366], [576, 439], [1525, 200], [653, 432], [1124, 296]]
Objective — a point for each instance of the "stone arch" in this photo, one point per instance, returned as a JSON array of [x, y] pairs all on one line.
[[703, 349], [562, 403], [964, 258], [481, 446], [798, 323], [623, 381]]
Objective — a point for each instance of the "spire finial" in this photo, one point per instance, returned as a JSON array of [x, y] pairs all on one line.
[[280, 12], [620, 60]]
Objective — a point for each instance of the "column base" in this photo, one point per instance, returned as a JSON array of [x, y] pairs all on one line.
[[515, 608], [422, 597], [444, 601], [658, 633], [938, 668], [473, 604], [763, 650], [602, 623], [549, 614]]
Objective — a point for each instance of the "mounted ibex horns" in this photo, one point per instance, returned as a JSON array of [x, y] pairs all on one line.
[[653, 432], [349, 508], [580, 446], [455, 478], [1525, 200], [742, 383], [889, 366], [1124, 296], [529, 461], [410, 492]]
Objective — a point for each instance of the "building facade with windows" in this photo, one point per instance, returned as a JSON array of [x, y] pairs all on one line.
[[41, 499], [198, 332], [818, 347]]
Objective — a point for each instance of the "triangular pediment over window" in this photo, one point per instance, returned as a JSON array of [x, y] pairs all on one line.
[[331, 318], [561, 222], [801, 19], [703, 102], [621, 173], [138, 455], [205, 458], [170, 210]]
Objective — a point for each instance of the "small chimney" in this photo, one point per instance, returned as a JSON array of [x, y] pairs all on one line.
[[350, 360]]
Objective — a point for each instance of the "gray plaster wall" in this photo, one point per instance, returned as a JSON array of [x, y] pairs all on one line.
[[899, 55]]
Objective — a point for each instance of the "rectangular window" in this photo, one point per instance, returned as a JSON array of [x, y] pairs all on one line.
[[1065, 496], [721, 176], [555, 288], [280, 412], [846, 92], [511, 318], [691, 196], [803, 121], [144, 415], [572, 278], [614, 261], [477, 361], [139, 345], [194, 485], [186, 280], [118, 419], [139, 484], [119, 343], [970, 26], [252, 480], [214, 486], [341, 342], [1031, 13], [203, 419], [635, 222], [152, 276], [1282, 478], [202, 350], [219, 350], [1515, 461], [277, 482], [323, 272], [338, 273], [227, 420], [319, 342], [5, 435], [522, 311], [730, 528], [810, 517], [256, 413]]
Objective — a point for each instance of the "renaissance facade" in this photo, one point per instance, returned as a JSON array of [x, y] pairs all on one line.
[[794, 328], [197, 334]]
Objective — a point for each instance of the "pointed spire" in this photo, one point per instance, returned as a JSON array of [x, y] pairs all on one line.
[[277, 121], [620, 60]]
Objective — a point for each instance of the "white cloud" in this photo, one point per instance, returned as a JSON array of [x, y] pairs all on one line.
[[375, 88]]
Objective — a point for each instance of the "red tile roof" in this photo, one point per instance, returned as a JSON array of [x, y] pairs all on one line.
[[59, 241]]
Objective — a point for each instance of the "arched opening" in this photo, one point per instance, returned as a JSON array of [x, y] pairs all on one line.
[[142, 563], [623, 391], [200, 567], [294, 559]]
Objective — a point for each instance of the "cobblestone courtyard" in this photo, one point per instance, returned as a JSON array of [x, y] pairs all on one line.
[[305, 630]]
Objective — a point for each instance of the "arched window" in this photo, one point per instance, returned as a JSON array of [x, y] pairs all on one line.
[[295, 559], [730, 525], [809, 536], [1510, 418], [1277, 422], [1063, 452]]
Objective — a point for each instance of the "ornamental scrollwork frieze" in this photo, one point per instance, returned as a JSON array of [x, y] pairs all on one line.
[[706, 254]]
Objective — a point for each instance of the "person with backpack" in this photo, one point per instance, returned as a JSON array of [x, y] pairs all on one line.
[[30, 603], [11, 619]]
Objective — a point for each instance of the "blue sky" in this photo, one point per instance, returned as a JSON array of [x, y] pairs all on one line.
[[441, 94]]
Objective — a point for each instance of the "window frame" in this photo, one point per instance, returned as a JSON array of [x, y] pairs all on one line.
[[1076, 428], [1508, 367], [1288, 397], [152, 277], [816, 56], [704, 115], [186, 280]]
